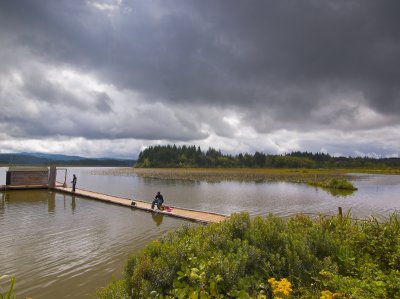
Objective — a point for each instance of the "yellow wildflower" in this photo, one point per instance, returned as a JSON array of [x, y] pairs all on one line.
[[281, 287], [330, 295], [326, 295]]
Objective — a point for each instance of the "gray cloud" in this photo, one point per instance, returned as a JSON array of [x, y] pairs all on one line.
[[171, 71], [103, 102]]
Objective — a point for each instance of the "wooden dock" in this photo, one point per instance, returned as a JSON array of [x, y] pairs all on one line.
[[188, 214], [22, 187]]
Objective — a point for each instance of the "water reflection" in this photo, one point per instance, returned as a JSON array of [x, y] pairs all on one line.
[[257, 198], [66, 199], [73, 204], [51, 203], [27, 196], [2, 202], [157, 218], [59, 246], [338, 192]]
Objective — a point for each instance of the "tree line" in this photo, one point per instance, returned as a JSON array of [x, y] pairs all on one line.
[[191, 156]]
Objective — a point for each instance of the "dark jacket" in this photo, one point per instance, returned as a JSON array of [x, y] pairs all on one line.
[[160, 198]]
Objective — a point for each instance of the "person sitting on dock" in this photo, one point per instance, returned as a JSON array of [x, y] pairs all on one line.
[[158, 200], [74, 179]]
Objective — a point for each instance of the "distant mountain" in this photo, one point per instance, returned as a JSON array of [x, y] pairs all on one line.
[[54, 156], [58, 159]]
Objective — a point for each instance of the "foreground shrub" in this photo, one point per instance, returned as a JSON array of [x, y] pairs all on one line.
[[266, 257]]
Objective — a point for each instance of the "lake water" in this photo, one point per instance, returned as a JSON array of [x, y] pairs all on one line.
[[59, 246]]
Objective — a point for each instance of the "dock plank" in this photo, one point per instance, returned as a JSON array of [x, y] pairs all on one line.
[[198, 216]]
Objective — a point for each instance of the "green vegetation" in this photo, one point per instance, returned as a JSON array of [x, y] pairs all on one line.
[[190, 156], [334, 186], [342, 184], [10, 293], [329, 257], [229, 174]]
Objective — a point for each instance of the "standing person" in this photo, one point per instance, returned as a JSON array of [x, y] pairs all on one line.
[[158, 200], [74, 179]]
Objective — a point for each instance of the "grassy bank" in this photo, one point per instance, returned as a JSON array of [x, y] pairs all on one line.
[[375, 171], [268, 258]]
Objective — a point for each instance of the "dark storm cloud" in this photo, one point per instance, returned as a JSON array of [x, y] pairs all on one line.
[[295, 65], [230, 52]]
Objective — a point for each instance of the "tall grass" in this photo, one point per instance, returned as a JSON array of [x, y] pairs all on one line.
[[9, 294]]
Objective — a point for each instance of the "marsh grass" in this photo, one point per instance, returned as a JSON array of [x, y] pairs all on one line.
[[388, 171], [9, 294], [215, 175], [335, 186]]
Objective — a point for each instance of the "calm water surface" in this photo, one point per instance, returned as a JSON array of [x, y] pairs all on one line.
[[377, 194], [59, 246]]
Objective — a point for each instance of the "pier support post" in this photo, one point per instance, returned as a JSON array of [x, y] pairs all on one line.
[[52, 176], [8, 178]]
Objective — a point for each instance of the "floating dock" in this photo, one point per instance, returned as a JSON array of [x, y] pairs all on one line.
[[188, 214], [22, 187]]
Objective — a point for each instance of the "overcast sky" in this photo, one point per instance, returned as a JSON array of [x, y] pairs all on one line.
[[109, 78]]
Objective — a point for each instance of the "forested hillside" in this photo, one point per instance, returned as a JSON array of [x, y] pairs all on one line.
[[61, 160], [192, 156]]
